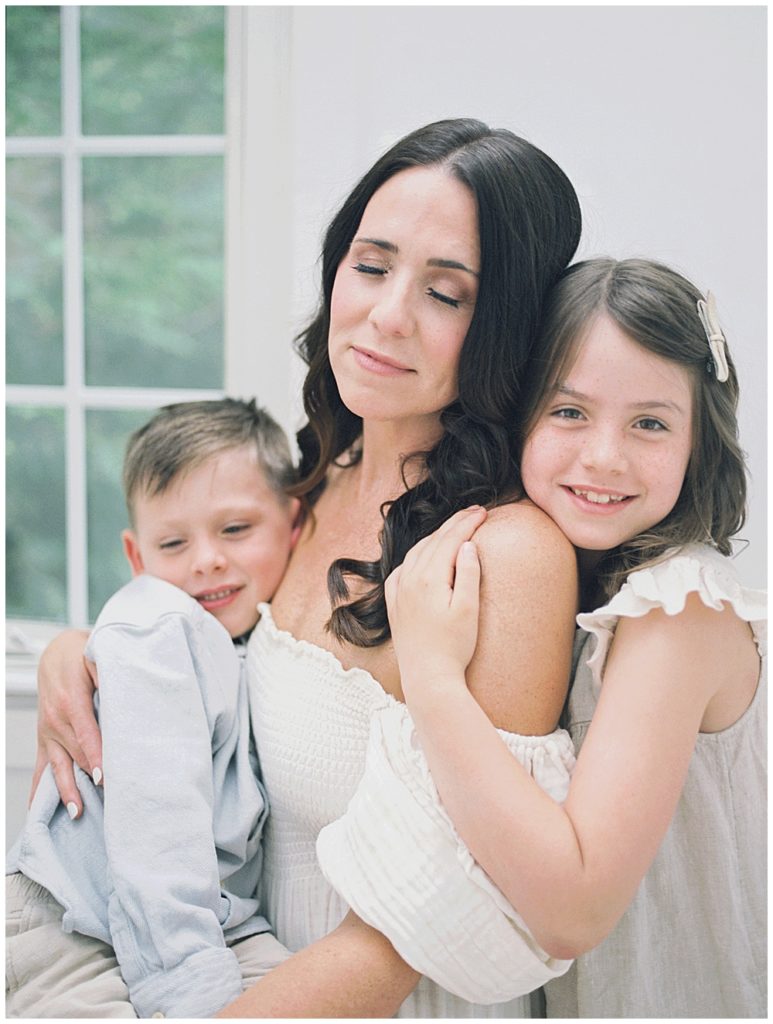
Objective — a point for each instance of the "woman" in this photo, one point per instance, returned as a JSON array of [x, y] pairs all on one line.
[[434, 274]]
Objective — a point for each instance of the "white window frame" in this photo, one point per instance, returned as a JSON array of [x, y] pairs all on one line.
[[256, 252]]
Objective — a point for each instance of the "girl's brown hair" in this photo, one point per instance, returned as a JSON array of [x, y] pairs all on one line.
[[656, 307]]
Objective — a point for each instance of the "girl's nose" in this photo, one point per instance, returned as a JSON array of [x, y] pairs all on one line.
[[604, 451], [392, 315]]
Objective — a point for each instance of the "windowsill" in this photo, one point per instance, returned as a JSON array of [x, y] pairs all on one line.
[[25, 641]]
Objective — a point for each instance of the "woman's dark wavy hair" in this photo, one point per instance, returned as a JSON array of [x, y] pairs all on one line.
[[529, 226], [656, 307]]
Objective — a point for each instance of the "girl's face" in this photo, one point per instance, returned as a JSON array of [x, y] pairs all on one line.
[[607, 456], [404, 296]]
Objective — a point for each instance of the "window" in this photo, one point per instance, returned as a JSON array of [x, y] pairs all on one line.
[[115, 199]]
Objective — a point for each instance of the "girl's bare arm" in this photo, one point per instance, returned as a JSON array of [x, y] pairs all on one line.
[[570, 869]]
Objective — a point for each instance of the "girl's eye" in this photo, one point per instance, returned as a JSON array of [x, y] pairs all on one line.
[[455, 303], [170, 545], [368, 268], [650, 423], [567, 414]]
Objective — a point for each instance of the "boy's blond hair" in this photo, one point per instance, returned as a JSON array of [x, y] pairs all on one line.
[[182, 436]]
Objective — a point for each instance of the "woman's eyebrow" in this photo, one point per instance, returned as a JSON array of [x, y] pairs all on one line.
[[452, 265], [391, 247], [379, 242]]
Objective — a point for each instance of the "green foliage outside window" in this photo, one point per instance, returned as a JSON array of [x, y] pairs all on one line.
[[32, 71], [152, 248]]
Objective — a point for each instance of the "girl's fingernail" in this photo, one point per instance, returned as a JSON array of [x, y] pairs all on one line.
[[72, 809], [97, 776]]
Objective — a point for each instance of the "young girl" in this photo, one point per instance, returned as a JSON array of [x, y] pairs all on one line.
[[652, 871]]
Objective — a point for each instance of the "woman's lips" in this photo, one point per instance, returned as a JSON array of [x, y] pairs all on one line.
[[375, 363]]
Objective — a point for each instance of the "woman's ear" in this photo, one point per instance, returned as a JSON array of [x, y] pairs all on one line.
[[132, 551]]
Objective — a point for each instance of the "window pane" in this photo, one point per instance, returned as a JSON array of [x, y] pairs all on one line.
[[152, 70], [34, 353], [153, 252], [32, 75], [107, 431], [36, 561]]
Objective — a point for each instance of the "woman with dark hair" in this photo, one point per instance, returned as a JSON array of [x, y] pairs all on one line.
[[433, 279]]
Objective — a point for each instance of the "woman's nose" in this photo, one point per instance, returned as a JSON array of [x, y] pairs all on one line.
[[393, 315]]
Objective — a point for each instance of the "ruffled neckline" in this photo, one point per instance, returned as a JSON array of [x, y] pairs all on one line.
[[695, 568], [320, 656]]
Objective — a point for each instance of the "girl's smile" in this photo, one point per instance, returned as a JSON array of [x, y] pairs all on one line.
[[607, 456]]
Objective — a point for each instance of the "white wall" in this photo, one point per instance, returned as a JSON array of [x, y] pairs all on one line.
[[657, 114]]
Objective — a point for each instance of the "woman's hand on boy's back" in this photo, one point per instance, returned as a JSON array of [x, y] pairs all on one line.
[[433, 602], [67, 726]]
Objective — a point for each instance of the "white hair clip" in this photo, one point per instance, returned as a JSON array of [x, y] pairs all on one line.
[[707, 311]]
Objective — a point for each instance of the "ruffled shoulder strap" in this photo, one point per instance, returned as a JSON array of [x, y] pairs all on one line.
[[695, 568]]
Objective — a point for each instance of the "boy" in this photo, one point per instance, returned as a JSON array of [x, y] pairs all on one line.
[[164, 864]]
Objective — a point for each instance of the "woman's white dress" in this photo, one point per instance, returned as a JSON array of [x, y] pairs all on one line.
[[326, 735]]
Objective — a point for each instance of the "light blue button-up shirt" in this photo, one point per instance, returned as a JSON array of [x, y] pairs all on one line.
[[164, 863]]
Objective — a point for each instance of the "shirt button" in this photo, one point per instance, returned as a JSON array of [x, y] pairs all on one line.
[[158, 1013]]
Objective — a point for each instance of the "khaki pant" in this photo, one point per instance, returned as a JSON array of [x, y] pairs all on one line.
[[52, 973]]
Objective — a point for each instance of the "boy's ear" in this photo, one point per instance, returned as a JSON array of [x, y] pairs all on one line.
[[297, 519], [132, 551]]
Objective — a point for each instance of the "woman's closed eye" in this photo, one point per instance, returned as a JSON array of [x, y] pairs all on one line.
[[369, 268], [446, 299]]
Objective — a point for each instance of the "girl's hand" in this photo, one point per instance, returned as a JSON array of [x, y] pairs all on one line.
[[433, 602], [67, 726]]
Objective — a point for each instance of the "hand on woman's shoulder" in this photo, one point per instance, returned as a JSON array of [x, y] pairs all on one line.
[[520, 671]]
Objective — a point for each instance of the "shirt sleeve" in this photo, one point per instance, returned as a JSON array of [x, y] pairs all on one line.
[[164, 690], [398, 861]]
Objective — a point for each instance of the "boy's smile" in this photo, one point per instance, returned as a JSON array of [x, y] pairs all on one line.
[[219, 532]]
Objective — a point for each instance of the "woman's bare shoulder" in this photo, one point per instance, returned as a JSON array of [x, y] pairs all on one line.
[[519, 536], [520, 671]]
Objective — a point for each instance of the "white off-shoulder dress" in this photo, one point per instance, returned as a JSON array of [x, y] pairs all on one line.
[[693, 941], [336, 750]]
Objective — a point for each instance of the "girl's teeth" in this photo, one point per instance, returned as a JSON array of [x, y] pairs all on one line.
[[216, 596], [598, 499]]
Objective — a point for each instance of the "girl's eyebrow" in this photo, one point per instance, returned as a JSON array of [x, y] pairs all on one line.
[[391, 247], [564, 389]]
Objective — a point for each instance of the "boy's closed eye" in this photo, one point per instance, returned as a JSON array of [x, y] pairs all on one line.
[[172, 544], [235, 528]]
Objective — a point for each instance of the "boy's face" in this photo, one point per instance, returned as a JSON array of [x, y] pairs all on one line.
[[220, 533]]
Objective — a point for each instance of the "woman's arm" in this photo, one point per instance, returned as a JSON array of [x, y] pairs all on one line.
[[353, 972], [570, 869], [67, 727]]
